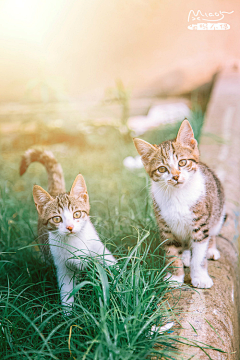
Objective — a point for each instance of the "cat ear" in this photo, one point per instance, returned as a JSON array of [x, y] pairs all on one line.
[[185, 135], [79, 188], [144, 149], [41, 197]]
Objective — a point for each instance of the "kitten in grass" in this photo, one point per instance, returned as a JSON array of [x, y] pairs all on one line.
[[188, 201], [64, 227]]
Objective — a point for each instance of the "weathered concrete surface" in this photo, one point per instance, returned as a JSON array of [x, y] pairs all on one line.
[[214, 313]]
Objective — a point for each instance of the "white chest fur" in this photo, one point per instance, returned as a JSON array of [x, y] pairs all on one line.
[[70, 252], [175, 204], [71, 249]]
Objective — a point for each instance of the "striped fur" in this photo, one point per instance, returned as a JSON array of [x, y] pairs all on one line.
[[188, 201], [56, 184], [65, 231]]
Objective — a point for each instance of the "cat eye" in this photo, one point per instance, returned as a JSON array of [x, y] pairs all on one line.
[[77, 214], [182, 162], [57, 219], [162, 169]]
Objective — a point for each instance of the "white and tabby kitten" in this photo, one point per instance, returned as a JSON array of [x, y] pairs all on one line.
[[188, 201], [64, 227]]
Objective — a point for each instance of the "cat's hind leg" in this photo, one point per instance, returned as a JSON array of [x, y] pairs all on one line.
[[186, 258], [213, 252]]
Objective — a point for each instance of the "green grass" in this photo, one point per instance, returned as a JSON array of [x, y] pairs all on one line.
[[115, 308]]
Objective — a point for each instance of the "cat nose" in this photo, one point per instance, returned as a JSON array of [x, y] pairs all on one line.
[[175, 177], [70, 227]]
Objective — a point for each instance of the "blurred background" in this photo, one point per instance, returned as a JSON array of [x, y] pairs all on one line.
[[72, 70], [71, 52], [66, 49]]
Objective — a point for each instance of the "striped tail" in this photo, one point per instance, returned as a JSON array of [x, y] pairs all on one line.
[[56, 183]]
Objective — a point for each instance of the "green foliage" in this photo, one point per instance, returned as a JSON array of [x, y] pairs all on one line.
[[116, 307]]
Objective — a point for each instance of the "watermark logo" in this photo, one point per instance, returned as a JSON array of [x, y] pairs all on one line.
[[208, 21]]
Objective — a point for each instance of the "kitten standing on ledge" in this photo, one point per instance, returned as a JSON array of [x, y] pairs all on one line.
[[64, 227], [188, 201]]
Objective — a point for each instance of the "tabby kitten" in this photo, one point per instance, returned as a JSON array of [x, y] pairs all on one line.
[[188, 202], [64, 227]]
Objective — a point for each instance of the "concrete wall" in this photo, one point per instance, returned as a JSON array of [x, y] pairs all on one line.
[[217, 310]]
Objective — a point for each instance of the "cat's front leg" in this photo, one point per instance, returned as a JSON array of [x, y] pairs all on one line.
[[97, 249], [199, 247], [107, 257], [65, 282], [173, 249], [176, 270], [198, 265]]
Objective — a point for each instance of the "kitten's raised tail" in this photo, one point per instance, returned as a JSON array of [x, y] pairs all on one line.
[[56, 183]]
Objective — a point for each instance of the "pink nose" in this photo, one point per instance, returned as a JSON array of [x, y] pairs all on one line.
[[69, 228]]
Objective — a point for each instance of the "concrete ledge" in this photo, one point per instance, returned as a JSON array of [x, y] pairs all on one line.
[[211, 316]]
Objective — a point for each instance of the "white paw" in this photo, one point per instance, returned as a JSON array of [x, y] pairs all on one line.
[[174, 280], [186, 257], [67, 310], [213, 253], [67, 305], [202, 281]]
